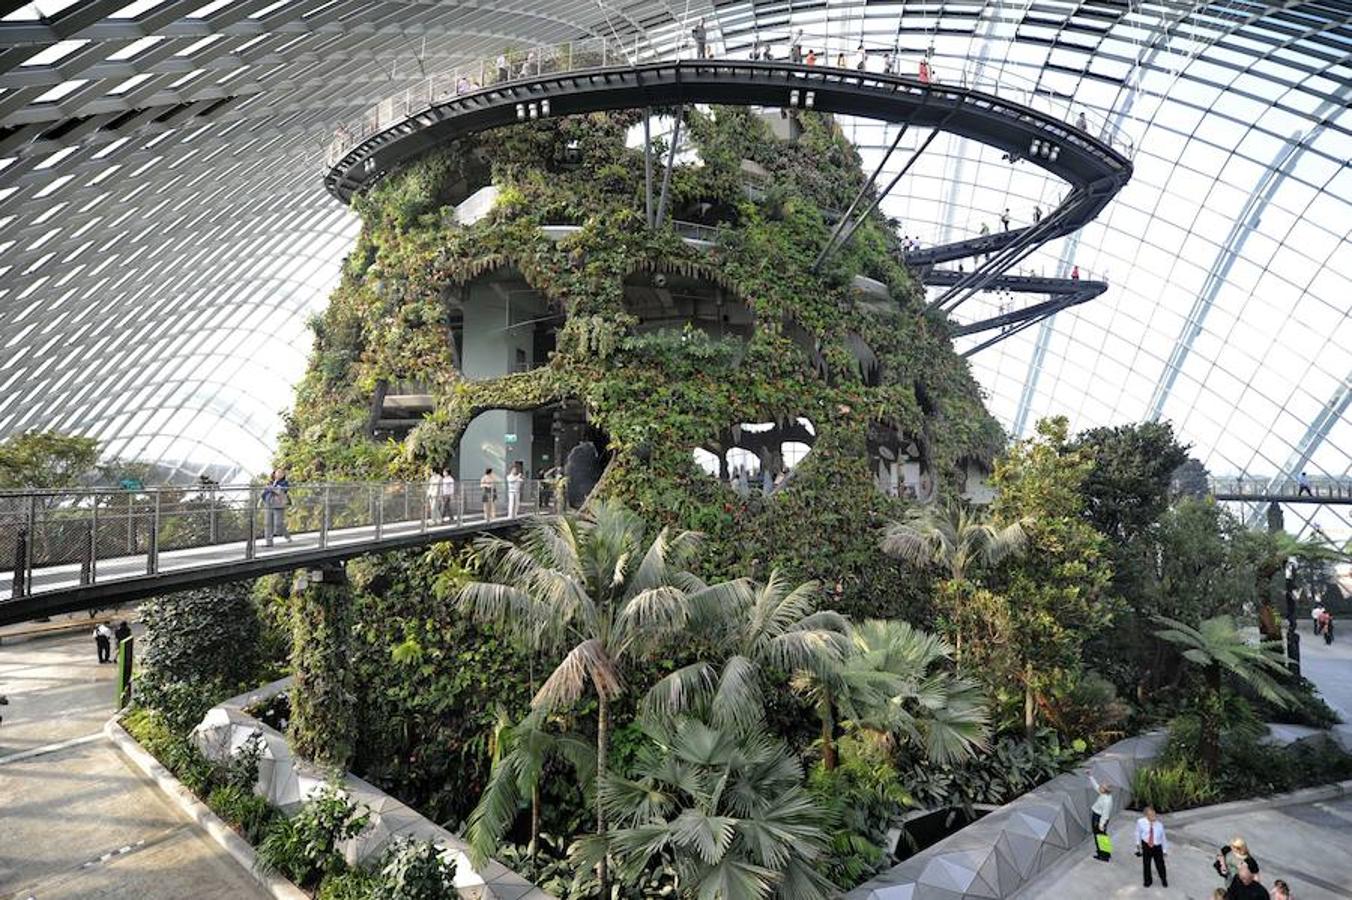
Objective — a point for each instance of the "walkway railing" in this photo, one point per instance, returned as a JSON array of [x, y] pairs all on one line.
[[1261, 488], [602, 53], [64, 538]]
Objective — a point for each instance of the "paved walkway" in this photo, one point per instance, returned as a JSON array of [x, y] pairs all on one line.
[[76, 819], [1308, 845]]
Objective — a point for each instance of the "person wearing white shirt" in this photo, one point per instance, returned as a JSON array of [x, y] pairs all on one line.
[[1154, 846], [514, 482], [433, 494], [447, 496], [1100, 811]]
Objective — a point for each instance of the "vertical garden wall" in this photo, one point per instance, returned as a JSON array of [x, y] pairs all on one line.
[[853, 365]]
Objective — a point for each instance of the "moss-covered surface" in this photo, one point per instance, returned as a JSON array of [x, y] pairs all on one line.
[[657, 396]]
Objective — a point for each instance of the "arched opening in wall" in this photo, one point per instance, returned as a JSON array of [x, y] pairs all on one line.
[[499, 325], [549, 442], [665, 300], [900, 463], [758, 457]]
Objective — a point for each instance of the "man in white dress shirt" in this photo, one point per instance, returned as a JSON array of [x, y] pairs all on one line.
[[1154, 845]]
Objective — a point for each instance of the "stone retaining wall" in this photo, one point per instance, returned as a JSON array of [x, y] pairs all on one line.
[[1007, 848], [287, 781]]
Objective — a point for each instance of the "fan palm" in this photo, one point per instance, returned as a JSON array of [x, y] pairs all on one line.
[[751, 628], [726, 805], [520, 753], [895, 683], [591, 588], [953, 539], [1217, 647]]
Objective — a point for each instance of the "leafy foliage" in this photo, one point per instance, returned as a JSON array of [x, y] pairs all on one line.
[[45, 459], [323, 716], [415, 870], [201, 646], [730, 808], [304, 848]]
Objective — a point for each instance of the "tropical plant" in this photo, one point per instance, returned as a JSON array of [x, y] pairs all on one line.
[[1217, 648], [1173, 786], [752, 628], [895, 684], [414, 870], [957, 540], [323, 698], [730, 807], [520, 754], [1056, 587], [305, 848], [201, 646], [45, 459], [591, 587]]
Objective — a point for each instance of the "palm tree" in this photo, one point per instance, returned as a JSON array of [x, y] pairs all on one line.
[[1217, 647], [588, 587], [750, 628], [520, 753], [954, 539], [727, 806], [895, 684]]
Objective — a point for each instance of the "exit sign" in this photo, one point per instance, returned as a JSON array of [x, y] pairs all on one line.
[[510, 438]]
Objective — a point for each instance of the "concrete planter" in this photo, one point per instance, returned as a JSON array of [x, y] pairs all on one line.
[[1011, 846], [287, 781]]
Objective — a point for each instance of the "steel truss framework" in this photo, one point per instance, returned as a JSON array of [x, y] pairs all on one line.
[[164, 233]]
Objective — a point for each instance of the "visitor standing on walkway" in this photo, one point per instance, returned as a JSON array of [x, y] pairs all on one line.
[[515, 478], [1304, 486], [840, 60], [1154, 846], [701, 37], [1037, 214], [1004, 218], [925, 73], [1074, 273], [1099, 813], [121, 633], [796, 47], [503, 72], [861, 58], [103, 642], [811, 58], [489, 487], [1281, 890], [1081, 123], [1246, 886], [275, 499], [434, 494], [446, 499], [1227, 868]]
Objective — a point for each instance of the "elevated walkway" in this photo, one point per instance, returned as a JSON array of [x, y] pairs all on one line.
[[69, 551], [1333, 491]]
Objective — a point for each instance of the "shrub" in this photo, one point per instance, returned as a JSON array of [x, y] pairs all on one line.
[[202, 645], [353, 884], [243, 809], [172, 748], [415, 870], [304, 848], [1173, 786]]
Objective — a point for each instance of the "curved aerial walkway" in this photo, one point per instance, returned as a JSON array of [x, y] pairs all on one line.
[[1332, 491], [560, 81]]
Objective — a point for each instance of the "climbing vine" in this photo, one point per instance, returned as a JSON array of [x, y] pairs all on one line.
[[657, 398]]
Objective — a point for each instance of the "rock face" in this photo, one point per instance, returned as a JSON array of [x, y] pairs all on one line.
[[560, 317]]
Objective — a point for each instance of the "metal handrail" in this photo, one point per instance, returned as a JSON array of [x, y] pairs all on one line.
[[1279, 486], [602, 53], [54, 538]]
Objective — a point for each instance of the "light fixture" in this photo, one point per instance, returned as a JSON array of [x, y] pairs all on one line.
[[521, 112], [793, 97], [811, 96], [544, 107]]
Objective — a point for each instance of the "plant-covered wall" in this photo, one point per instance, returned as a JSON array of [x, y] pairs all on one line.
[[657, 396]]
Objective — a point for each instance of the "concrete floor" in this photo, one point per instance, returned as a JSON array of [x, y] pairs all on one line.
[[76, 819], [1307, 845]]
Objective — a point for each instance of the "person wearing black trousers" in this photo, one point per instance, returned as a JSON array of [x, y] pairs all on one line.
[[103, 640], [1154, 846]]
